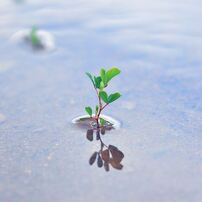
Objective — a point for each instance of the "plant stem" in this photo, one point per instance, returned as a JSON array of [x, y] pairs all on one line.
[[99, 99], [97, 116], [102, 144], [99, 112]]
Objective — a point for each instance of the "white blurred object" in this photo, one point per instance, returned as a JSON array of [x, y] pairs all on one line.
[[128, 105], [46, 39], [2, 118]]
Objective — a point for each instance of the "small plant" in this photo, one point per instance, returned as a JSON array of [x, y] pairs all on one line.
[[35, 40], [100, 83], [107, 155]]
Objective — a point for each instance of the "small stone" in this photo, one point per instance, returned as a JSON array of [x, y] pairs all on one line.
[[4, 67], [49, 157], [128, 105], [28, 171], [2, 118], [72, 101]]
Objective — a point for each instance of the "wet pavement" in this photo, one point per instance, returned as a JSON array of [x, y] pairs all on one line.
[[43, 157]]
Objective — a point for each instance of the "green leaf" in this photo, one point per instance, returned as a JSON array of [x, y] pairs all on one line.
[[103, 76], [102, 121], [104, 96], [96, 109], [112, 73], [101, 85], [97, 81], [90, 77], [34, 37], [89, 111], [113, 97]]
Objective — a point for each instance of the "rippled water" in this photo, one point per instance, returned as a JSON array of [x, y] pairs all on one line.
[[157, 45]]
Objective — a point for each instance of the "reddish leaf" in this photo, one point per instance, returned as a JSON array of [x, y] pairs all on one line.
[[105, 155], [102, 131], [117, 155], [115, 165], [93, 158], [97, 135], [99, 162], [89, 135], [106, 166]]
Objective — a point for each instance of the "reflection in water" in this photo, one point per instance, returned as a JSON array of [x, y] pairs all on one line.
[[107, 155]]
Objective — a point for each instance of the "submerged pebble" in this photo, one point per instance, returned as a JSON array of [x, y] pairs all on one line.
[[2, 118], [5, 66]]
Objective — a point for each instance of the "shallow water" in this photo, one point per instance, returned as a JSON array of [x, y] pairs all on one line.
[[158, 47]]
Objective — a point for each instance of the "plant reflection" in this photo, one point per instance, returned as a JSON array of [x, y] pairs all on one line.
[[107, 156]]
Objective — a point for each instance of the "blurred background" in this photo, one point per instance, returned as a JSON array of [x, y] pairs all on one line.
[[43, 86]]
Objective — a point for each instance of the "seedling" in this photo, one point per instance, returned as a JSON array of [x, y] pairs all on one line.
[[107, 155], [35, 40], [100, 83]]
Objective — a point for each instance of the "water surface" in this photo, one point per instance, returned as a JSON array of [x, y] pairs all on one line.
[[157, 45]]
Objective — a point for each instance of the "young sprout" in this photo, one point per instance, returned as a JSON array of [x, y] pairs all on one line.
[[34, 38], [100, 82]]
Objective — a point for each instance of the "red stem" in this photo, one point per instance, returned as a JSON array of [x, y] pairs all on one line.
[[97, 116]]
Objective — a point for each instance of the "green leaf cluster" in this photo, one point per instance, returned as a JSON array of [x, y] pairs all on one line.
[[101, 81], [109, 99]]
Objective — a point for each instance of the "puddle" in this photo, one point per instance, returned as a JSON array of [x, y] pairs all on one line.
[[108, 156], [86, 122]]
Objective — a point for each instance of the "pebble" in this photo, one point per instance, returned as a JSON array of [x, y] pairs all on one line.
[[5, 67], [2, 118], [128, 105], [28, 171]]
